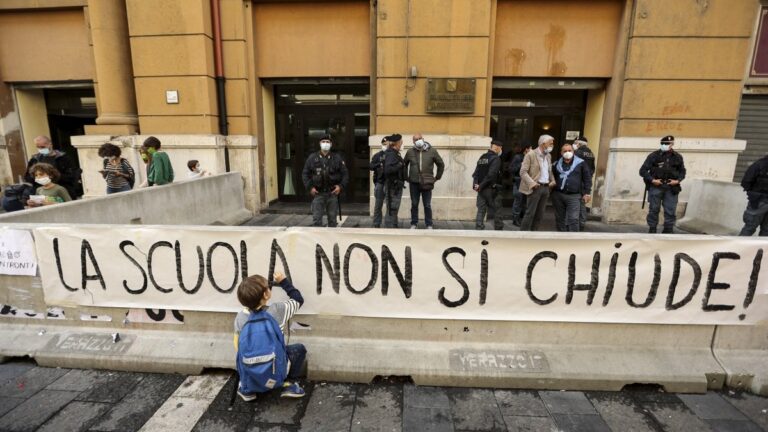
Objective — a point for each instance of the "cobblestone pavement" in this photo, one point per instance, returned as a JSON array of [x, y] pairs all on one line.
[[64, 400]]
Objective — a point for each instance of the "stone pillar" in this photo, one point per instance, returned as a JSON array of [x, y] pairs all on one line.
[[115, 94]]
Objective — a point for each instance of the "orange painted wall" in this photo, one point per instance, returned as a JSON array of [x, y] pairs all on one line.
[[556, 38], [45, 45], [323, 39]]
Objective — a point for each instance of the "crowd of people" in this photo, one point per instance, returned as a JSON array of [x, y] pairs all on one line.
[[537, 178], [52, 178]]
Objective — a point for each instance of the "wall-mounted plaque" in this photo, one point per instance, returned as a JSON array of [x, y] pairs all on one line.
[[450, 95]]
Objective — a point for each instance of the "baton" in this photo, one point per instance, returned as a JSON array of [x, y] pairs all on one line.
[[645, 196], [338, 201]]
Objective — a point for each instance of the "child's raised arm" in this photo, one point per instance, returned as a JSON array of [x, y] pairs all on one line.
[[287, 286]]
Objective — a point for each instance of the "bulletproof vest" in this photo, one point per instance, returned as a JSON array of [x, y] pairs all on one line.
[[665, 167], [321, 171], [761, 182], [483, 165], [400, 175]]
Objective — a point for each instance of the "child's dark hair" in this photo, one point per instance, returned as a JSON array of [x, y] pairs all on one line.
[[251, 291], [192, 164], [109, 150], [46, 169], [152, 142]]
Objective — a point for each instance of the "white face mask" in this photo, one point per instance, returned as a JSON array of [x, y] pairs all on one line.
[[325, 146], [548, 150], [384, 147], [568, 155], [197, 168], [575, 146], [419, 144], [42, 181], [665, 147]]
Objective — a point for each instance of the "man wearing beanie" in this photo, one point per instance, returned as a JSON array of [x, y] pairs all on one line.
[[662, 171]]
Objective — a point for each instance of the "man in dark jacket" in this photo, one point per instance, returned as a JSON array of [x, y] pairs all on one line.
[[325, 176], [487, 183], [582, 151], [755, 183], [70, 176], [377, 166], [662, 171], [518, 203], [420, 164], [573, 187], [394, 177]]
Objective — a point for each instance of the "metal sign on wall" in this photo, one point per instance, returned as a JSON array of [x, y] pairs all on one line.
[[450, 95]]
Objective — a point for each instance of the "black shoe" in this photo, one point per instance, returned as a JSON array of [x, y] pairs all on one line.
[[669, 230], [516, 222], [377, 226], [652, 230]]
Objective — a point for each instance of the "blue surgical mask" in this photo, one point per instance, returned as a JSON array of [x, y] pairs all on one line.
[[44, 151], [665, 147]]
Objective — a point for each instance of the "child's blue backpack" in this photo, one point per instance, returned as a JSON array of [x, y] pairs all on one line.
[[262, 361]]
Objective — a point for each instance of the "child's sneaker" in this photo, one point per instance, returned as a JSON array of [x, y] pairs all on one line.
[[292, 391], [247, 397]]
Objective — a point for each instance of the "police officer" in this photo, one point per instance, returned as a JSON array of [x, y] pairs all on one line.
[[755, 183], [662, 171], [325, 176], [487, 184], [582, 151], [377, 166], [394, 177]]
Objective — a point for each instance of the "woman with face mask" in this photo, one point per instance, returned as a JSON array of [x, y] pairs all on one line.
[[117, 172], [48, 192]]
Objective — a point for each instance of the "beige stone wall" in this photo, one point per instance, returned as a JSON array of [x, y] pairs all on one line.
[[312, 39], [685, 68], [44, 45], [556, 38], [172, 49], [443, 39]]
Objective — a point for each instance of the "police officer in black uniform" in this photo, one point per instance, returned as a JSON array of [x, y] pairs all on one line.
[[581, 150], [377, 166], [325, 176], [394, 178], [755, 183], [487, 184], [662, 171]]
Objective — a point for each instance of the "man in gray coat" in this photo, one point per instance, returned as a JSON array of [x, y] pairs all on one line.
[[420, 162]]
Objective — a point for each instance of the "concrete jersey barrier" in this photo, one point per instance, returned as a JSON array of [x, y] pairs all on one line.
[[433, 351], [714, 207], [210, 200]]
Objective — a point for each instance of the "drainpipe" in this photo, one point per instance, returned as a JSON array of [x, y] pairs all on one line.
[[221, 96]]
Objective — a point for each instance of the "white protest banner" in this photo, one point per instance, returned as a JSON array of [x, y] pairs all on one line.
[[407, 274], [17, 253]]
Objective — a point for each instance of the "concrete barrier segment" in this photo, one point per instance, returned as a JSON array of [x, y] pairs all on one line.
[[743, 353], [214, 200], [714, 207]]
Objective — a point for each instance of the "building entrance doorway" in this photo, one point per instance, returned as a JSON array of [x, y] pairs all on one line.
[[304, 114], [521, 116]]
